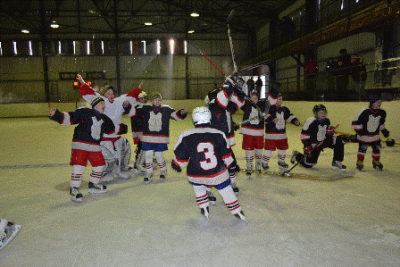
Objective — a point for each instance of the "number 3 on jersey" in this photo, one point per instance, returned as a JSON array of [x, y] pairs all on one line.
[[210, 161]]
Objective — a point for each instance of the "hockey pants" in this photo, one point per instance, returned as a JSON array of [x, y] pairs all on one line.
[[335, 143], [116, 154]]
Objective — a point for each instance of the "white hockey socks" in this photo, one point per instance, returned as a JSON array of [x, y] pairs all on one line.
[[148, 157], [201, 196], [267, 156], [161, 162], [96, 174], [249, 159], [76, 177], [230, 199], [281, 155], [258, 154]]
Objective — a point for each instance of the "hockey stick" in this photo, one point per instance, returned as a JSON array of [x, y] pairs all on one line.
[[209, 60], [228, 20], [305, 155]]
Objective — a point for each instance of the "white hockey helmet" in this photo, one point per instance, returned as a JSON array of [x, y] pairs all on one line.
[[201, 115]]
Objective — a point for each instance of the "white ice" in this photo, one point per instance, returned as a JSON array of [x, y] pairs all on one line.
[[291, 222]]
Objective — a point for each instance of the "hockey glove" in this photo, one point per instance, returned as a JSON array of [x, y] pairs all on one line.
[[175, 167], [330, 131], [236, 126], [123, 128], [390, 142], [385, 133], [308, 151]]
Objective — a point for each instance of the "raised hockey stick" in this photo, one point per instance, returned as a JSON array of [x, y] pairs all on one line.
[[209, 60], [228, 20]]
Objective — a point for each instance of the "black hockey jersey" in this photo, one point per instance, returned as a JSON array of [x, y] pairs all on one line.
[[156, 126], [207, 154], [91, 127], [228, 101], [314, 131], [277, 131], [138, 123], [254, 126], [368, 123]]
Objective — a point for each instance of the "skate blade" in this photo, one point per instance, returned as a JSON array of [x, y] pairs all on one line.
[[338, 169], [94, 191], [15, 230]]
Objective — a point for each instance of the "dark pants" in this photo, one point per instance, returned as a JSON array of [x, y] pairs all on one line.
[[334, 143]]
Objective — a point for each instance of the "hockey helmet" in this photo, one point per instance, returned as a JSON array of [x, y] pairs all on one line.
[[211, 95], [390, 142], [201, 115], [319, 107]]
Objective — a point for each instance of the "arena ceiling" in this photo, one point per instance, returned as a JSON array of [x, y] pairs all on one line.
[[129, 16]]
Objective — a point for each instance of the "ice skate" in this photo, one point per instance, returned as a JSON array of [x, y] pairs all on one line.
[[248, 174], [235, 188], [205, 212], [360, 165], [75, 194], [240, 216], [282, 165], [258, 167], [293, 158], [8, 230], [211, 198], [163, 175], [338, 166], [96, 188], [377, 165], [265, 166], [147, 180], [124, 174]]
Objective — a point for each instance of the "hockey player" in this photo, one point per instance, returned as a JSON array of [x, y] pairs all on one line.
[[206, 153], [223, 104], [138, 123], [253, 131], [316, 135], [115, 148], [367, 124], [92, 124], [155, 137], [275, 133], [8, 230]]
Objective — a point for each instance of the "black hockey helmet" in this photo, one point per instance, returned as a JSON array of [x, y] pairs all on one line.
[[319, 107]]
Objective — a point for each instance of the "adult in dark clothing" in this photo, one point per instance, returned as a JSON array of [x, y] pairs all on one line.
[[344, 63]]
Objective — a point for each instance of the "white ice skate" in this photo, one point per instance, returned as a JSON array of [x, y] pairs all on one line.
[[338, 166], [205, 212], [75, 194], [8, 230], [283, 166], [240, 216], [147, 180]]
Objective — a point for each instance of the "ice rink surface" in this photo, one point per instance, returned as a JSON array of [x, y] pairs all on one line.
[[291, 221]]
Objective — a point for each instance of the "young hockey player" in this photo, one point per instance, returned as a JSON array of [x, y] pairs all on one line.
[[115, 148], [223, 104], [208, 157], [92, 124], [316, 135], [367, 124], [138, 123], [8, 230], [253, 131], [275, 133], [156, 132]]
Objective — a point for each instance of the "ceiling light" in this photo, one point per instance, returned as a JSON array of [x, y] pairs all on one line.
[[191, 31], [148, 23], [54, 25], [24, 31], [194, 13]]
